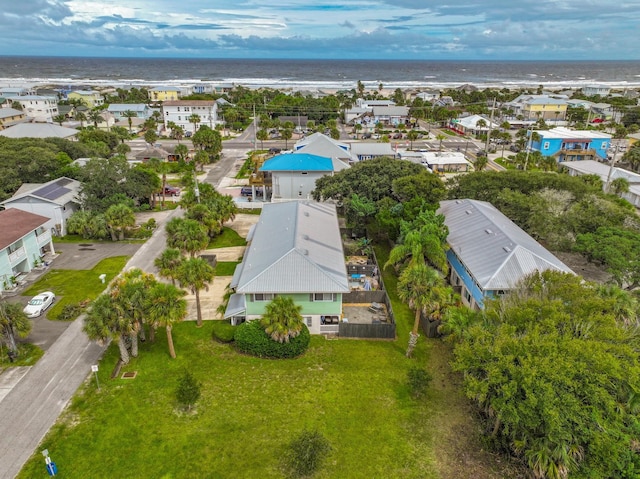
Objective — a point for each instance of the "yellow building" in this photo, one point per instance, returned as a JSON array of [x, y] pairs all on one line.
[[545, 108], [89, 98], [161, 93]]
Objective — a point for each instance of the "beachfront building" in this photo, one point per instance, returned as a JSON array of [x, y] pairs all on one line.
[[39, 108], [24, 240], [181, 113], [56, 200], [90, 98], [489, 254], [572, 145], [607, 174], [294, 250], [593, 90], [390, 115], [539, 107], [10, 117], [293, 176], [164, 93]]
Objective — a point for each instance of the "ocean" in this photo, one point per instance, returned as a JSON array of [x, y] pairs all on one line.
[[313, 74]]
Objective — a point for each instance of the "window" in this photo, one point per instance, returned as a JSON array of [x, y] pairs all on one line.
[[323, 297], [309, 321], [467, 296], [263, 296], [546, 145]]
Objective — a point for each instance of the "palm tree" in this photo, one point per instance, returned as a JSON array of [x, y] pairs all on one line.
[[440, 137], [119, 217], [95, 117], [357, 127], [182, 151], [166, 307], [262, 135], [206, 217], [412, 136], [418, 286], [168, 262], [480, 163], [286, 134], [13, 321], [619, 186], [282, 319], [189, 236], [128, 293], [129, 115], [59, 119], [195, 119], [195, 274]]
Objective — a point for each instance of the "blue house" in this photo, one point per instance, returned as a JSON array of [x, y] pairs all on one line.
[[572, 145], [488, 253]]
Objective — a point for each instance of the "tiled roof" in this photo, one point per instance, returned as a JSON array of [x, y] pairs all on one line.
[[15, 224]]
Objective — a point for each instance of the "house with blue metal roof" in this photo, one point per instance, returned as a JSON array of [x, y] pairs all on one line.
[[292, 176], [294, 250], [488, 253]]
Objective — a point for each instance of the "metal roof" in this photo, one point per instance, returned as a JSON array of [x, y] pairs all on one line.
[[591, 167], [296, 248], [59, 191], [237, 305], [495, 251], [297, 162], [38, 130], [567, 133], [374, 149]]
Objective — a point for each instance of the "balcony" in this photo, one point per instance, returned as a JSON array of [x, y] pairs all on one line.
[[17, 256], [44, 238]]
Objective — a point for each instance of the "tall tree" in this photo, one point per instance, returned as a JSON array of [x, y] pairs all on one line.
[[168, 262], [195, 274], [187, 235], [166, 307], [129, 115], [119, 217], [13, 321]]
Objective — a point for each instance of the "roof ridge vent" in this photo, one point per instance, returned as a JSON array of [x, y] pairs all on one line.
[[305, 251], [306, 213], [305, 237], [488, 231], [468, 212], [507, 249]]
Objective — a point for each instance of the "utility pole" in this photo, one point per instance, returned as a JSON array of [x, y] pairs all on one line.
[[611, 166], [493, 107], [255, 128]]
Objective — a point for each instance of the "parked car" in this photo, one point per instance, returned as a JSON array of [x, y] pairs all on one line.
[[514, 148], [171, 190], [274, 151], [246, 191], [39, 304], [397, 136]]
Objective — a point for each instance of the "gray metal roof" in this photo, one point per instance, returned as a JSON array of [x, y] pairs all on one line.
[[237, 304], [325, 146], [38, 130], [373, 149], [592, 167], [494, 250], [296, 248]]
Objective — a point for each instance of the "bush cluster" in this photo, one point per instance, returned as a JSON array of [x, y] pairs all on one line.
[[223, 331], [306, 453], [70, 312], [250, 338]]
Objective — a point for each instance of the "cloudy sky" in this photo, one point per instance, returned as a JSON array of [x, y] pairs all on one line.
[[365, 29]]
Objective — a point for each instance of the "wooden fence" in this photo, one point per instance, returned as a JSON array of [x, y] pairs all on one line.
[[373, 331]]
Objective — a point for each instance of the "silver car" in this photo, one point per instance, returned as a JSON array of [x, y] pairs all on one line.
[[38, 304]]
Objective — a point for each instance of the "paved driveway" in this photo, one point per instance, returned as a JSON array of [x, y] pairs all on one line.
[[87, 255]]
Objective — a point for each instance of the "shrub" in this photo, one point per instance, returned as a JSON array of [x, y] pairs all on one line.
[[188, 391], [70, 312], [223, 331], [418, 381], [250, 338], [306, 453]]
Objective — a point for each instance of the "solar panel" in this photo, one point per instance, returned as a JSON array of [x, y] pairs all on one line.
[[54, 190], [57, 193], [45, 190]]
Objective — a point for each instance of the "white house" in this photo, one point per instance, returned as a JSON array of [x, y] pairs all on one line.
[[180, 111], [445, 161], [607, 173], [40, 108], [321, 145], [56, 200], [294, 175], [591, 90]]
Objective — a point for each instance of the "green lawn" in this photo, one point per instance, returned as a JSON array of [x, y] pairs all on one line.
[[73, 286], [353, 391], [226, 268], [227, 238]]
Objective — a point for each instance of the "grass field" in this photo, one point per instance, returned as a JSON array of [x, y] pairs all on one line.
[[72, 286], [227, 238], [226, 268], [353, 391]]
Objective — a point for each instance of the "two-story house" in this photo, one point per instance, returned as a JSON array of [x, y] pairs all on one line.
[[571, 145], [488, 253], [181, 112], [539, 107], [164, 93], [24, 239], [89, 98], [10, 117], [39, 108], [140, 110], [56, 200], [294, 250]]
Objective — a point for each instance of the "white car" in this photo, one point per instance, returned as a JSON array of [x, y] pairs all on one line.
[[38, 304]]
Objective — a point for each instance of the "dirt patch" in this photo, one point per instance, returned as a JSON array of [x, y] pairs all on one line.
[[581, 266]]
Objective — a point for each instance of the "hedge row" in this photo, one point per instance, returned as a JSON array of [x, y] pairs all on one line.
[[250, 338]]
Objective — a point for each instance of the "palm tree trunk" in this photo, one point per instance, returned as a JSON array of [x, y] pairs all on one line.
[[198, 309], [134, 344], [143, 336], [172, 351], [122, 346], [413, 336], [152, 334]]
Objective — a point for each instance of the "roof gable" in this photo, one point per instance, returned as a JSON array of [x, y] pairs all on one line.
[[15, 224]]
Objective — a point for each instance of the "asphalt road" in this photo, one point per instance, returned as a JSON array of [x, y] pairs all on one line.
[[35, 400]]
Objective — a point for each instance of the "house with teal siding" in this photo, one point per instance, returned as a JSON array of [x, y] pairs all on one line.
[[294, 250], [24, 239]]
